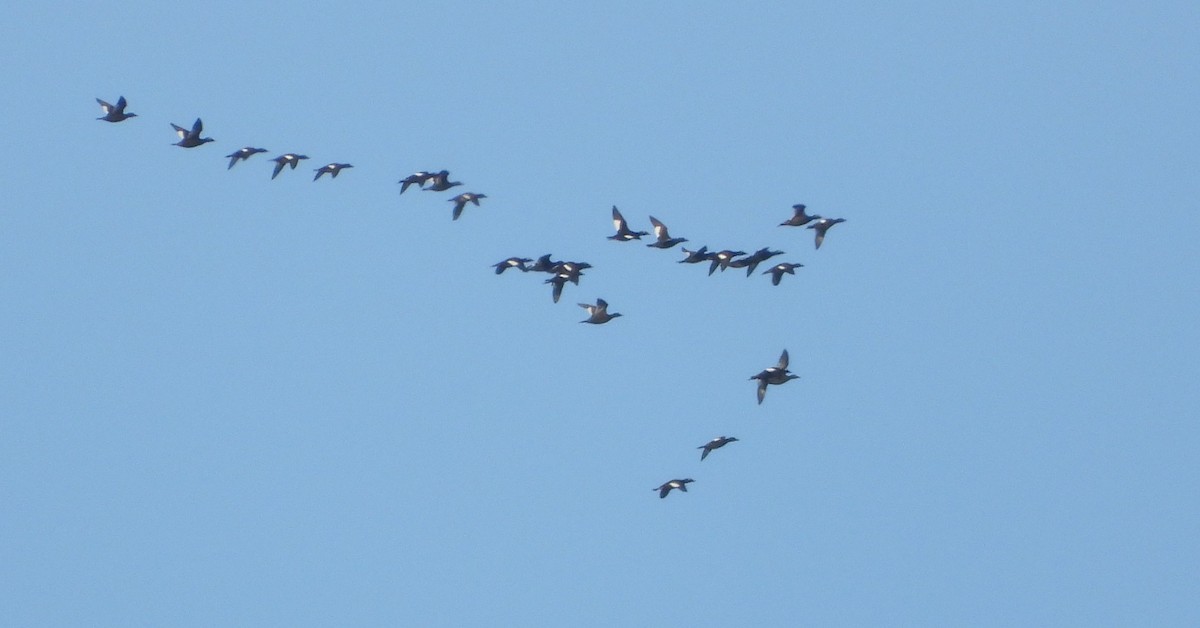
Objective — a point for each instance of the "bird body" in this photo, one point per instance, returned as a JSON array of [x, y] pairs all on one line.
[[624, 234], [243, 154], [440, 182], [799, 218], [667, 486], [664, 239], [114, 113], [715, 443], [512, 262], [598, 313], [331, 169], [778, 270], [461, 201], [821, 225], [191, 139], [695, 257], [286, 159], [750, 262], [417, 178], [777, 375], [721, 260]]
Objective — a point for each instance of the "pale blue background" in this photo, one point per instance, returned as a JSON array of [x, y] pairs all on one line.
[[231, 401]]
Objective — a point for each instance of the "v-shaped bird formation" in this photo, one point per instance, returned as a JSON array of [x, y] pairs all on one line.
[[561, 272]]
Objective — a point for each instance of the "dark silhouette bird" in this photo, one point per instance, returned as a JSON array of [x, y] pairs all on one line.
[[778, 270], [665, 241], [191, 139], [715, 443], [243, 154], [512, 262], [666, 487], [440, 182], [558, 281], [777, 374], [461, 201], [114, 113], [623, 232], [751, 261], [695, 257], [821, 225], [544, 264], [331, 170], [287, 159], [799, 218], [721, 260], [571, 270], [598, 313], [417, 178]]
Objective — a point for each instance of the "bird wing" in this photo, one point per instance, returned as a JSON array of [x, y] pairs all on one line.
[[180, 131], [121, 103], [783, 361], [278, 167], [105, 107], [660, 230], [762, 390], [197, 127], [618, 220]]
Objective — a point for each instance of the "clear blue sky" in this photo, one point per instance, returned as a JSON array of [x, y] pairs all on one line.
[[231, 401]]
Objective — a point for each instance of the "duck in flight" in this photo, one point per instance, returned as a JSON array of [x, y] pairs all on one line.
[[598, 313], [778, 270], [331, 169], [114, 113], [715, 443], [461, 201], [777, 375], [799, 218], [191, 139], [286, 159], [821, 225], [667, 486], [624, 234], [243, 154], [664, 239]]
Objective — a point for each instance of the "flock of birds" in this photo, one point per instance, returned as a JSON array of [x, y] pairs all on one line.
[[561, 272]]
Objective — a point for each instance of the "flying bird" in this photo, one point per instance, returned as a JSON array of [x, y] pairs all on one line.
[[417, 178], [558, 281], [751, 261], [799, 218], [243, 154], [721, 259], [544, 264], [777, 374], [191, 139], [778, 270], [715, 443], [598, 313], [331, 170], [461, 201], [624, 234], [695, 257], [440, 182], [512, 262], [666, 487], [114, 113], [665, 241], [287, 159], [821, 225]]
